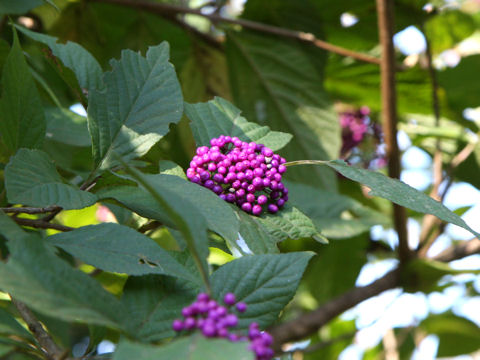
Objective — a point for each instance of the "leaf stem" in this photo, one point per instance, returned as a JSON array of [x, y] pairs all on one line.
[[306, 162]]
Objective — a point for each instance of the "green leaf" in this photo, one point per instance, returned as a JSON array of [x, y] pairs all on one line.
[[10, 326], [22, 123], [447, 28], [74, 57], [67, 127], [219, 117], [335, 268], [457, 335], [423, 274], [255, 235], [170, 168], [286, 93], [457, 82], [193, 201], [290, 223], [141, 98], [265, 282], [195, 347], [117, 248], [153, 302], [337, 216], [35, 276], [32, 179], [399, 193], [18, 6]]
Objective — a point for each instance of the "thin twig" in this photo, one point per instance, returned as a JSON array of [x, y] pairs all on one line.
[[51, 350], [464, 249], [151, 225], [389, 116], [28, 210], [166, 9], [41, 224]]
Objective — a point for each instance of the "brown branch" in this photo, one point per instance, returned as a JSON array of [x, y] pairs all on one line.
[[464, 249], [389, 116], [307, 324], [151, 225], [165, 9], [28, 210], [51, 350], [41, 224]]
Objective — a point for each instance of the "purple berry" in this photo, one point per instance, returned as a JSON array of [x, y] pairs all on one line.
[[272, 208], [256, 210], [229, 299], [177, 325], [190, 323], [262, 199], [241, 307], [247, 207]]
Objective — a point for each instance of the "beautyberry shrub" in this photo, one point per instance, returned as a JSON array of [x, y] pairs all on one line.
[[216, 321], [243, 173]]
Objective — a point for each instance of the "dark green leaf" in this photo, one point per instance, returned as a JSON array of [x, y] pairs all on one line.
[[195, 347], [22, 123], [323, 277], [10, 326], [141, 98], [265, 282], [153, 302], [117, 248], [255, 235], [170, 168], [18, 6], [399, 193], [336, 215], [74, 57], [65, 126], [192, 201], [290, 223], [35, 276], [285, 91], [457, 335], [457, 82], [219, 117], [32, 179]]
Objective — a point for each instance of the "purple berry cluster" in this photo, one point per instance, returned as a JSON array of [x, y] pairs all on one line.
[[215, 321], [244, 173], [354, 127], [362, 139]]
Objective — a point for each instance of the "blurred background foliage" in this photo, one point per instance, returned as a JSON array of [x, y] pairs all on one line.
[[295, 87]]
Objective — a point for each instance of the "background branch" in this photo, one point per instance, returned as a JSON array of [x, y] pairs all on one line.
[[389, 116], [41, 224], [29, 210], [50, 348], [168, 10], [308, 323]]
